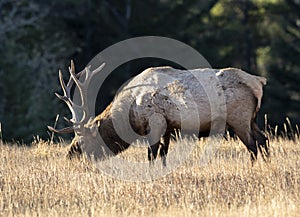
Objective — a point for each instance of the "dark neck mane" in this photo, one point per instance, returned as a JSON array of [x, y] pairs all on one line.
[[108, 133]]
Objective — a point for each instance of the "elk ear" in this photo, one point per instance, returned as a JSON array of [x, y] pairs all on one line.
[[94, 129]]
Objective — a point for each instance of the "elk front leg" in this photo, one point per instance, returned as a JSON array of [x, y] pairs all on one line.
[[75, 150], [164, 149], [152, 152], [158, 125]]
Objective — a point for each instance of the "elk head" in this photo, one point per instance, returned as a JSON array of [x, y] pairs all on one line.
[[82, 121]]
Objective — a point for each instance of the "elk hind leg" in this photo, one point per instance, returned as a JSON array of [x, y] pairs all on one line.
[[262, 141], [246, 137]]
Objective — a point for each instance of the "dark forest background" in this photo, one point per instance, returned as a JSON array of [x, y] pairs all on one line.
[[38, 37]]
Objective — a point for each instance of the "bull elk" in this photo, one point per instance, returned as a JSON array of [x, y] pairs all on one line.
[[161, 100]]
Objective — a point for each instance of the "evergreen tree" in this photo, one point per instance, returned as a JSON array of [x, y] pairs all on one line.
[[29, 58], [281, 60]]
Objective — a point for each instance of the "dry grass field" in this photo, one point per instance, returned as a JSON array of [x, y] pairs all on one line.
[[40, 181]]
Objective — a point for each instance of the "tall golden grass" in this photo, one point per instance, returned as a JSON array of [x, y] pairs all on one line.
[[40, 181]]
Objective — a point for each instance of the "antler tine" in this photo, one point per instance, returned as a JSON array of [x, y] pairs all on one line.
[[64, 130], [90, 74], [99, 68], [67, 93], [63, 85], [63, 98], [69, 121], [66, 97], [72, 67], [72, 71], [83, 89], [75, 78], [80, 113], [67, 88]]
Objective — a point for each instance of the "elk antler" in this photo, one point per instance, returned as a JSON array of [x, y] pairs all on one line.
[[80, 113]]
